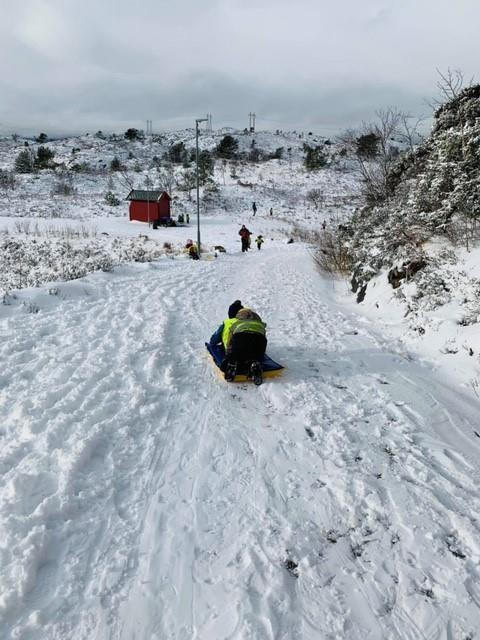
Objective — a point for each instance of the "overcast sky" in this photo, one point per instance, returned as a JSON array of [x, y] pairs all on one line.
[[81, 65]]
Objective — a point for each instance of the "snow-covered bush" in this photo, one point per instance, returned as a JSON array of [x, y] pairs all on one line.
[[111, 199], [64, 185], [30, 261], [434, 197]]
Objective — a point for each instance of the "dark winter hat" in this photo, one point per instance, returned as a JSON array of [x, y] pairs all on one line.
[[234, 308]]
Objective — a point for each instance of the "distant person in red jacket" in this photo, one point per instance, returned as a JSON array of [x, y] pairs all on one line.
[[245, 234]]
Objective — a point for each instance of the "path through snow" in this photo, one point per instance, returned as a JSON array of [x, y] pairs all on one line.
[[144, 498]]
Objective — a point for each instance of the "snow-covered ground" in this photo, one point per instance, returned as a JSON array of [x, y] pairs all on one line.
[[45, 236], [440, 323], [144, 498]]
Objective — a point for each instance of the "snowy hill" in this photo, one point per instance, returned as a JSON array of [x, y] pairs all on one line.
[[144, 498], [62, 208], [86, 160]]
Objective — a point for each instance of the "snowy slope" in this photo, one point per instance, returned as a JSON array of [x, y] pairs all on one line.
[[144, 498], [282, 184]]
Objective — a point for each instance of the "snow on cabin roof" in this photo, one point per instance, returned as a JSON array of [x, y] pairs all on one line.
[[142, 194]]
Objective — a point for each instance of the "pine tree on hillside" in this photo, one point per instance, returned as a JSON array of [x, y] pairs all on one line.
[[115, 164], [314, 157], [43, 157], [227, 147], [24, 162], [178, 153], [134, 134], [206, 165]]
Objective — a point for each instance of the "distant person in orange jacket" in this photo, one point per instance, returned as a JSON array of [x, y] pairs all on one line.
[[192, 250]]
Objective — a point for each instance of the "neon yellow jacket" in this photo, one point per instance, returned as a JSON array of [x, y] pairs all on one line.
[[234, 325], [227, 327]]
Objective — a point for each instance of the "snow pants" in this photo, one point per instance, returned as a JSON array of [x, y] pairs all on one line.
[[245, 348]]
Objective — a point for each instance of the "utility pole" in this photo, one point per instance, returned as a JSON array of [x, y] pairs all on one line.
[[197, 122], [148, 184]]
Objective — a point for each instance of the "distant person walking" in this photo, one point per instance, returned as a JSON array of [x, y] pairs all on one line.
[[254, 208], [271, 211], [245, 234], [259, 240]]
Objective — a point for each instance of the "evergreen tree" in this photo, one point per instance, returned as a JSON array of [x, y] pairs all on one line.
[[133, 134], [24, 162], [205, 166], [314, 157], [43, 157], [115, 164], [111, 199], [178, 153], [278, 153], [227, 147], [367, 145], [254, 155]]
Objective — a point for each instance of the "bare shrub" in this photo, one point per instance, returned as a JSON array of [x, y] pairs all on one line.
[[330, 251], [66, 232], [22, 226], [375, 156], [317, 198], [165, 178], [449, 85], [64, 186], [331, 254], [7, 180]]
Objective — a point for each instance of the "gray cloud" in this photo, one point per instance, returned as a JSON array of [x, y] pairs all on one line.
[[69, 66]]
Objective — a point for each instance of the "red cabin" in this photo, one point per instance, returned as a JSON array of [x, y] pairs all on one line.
[[149, 206]]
